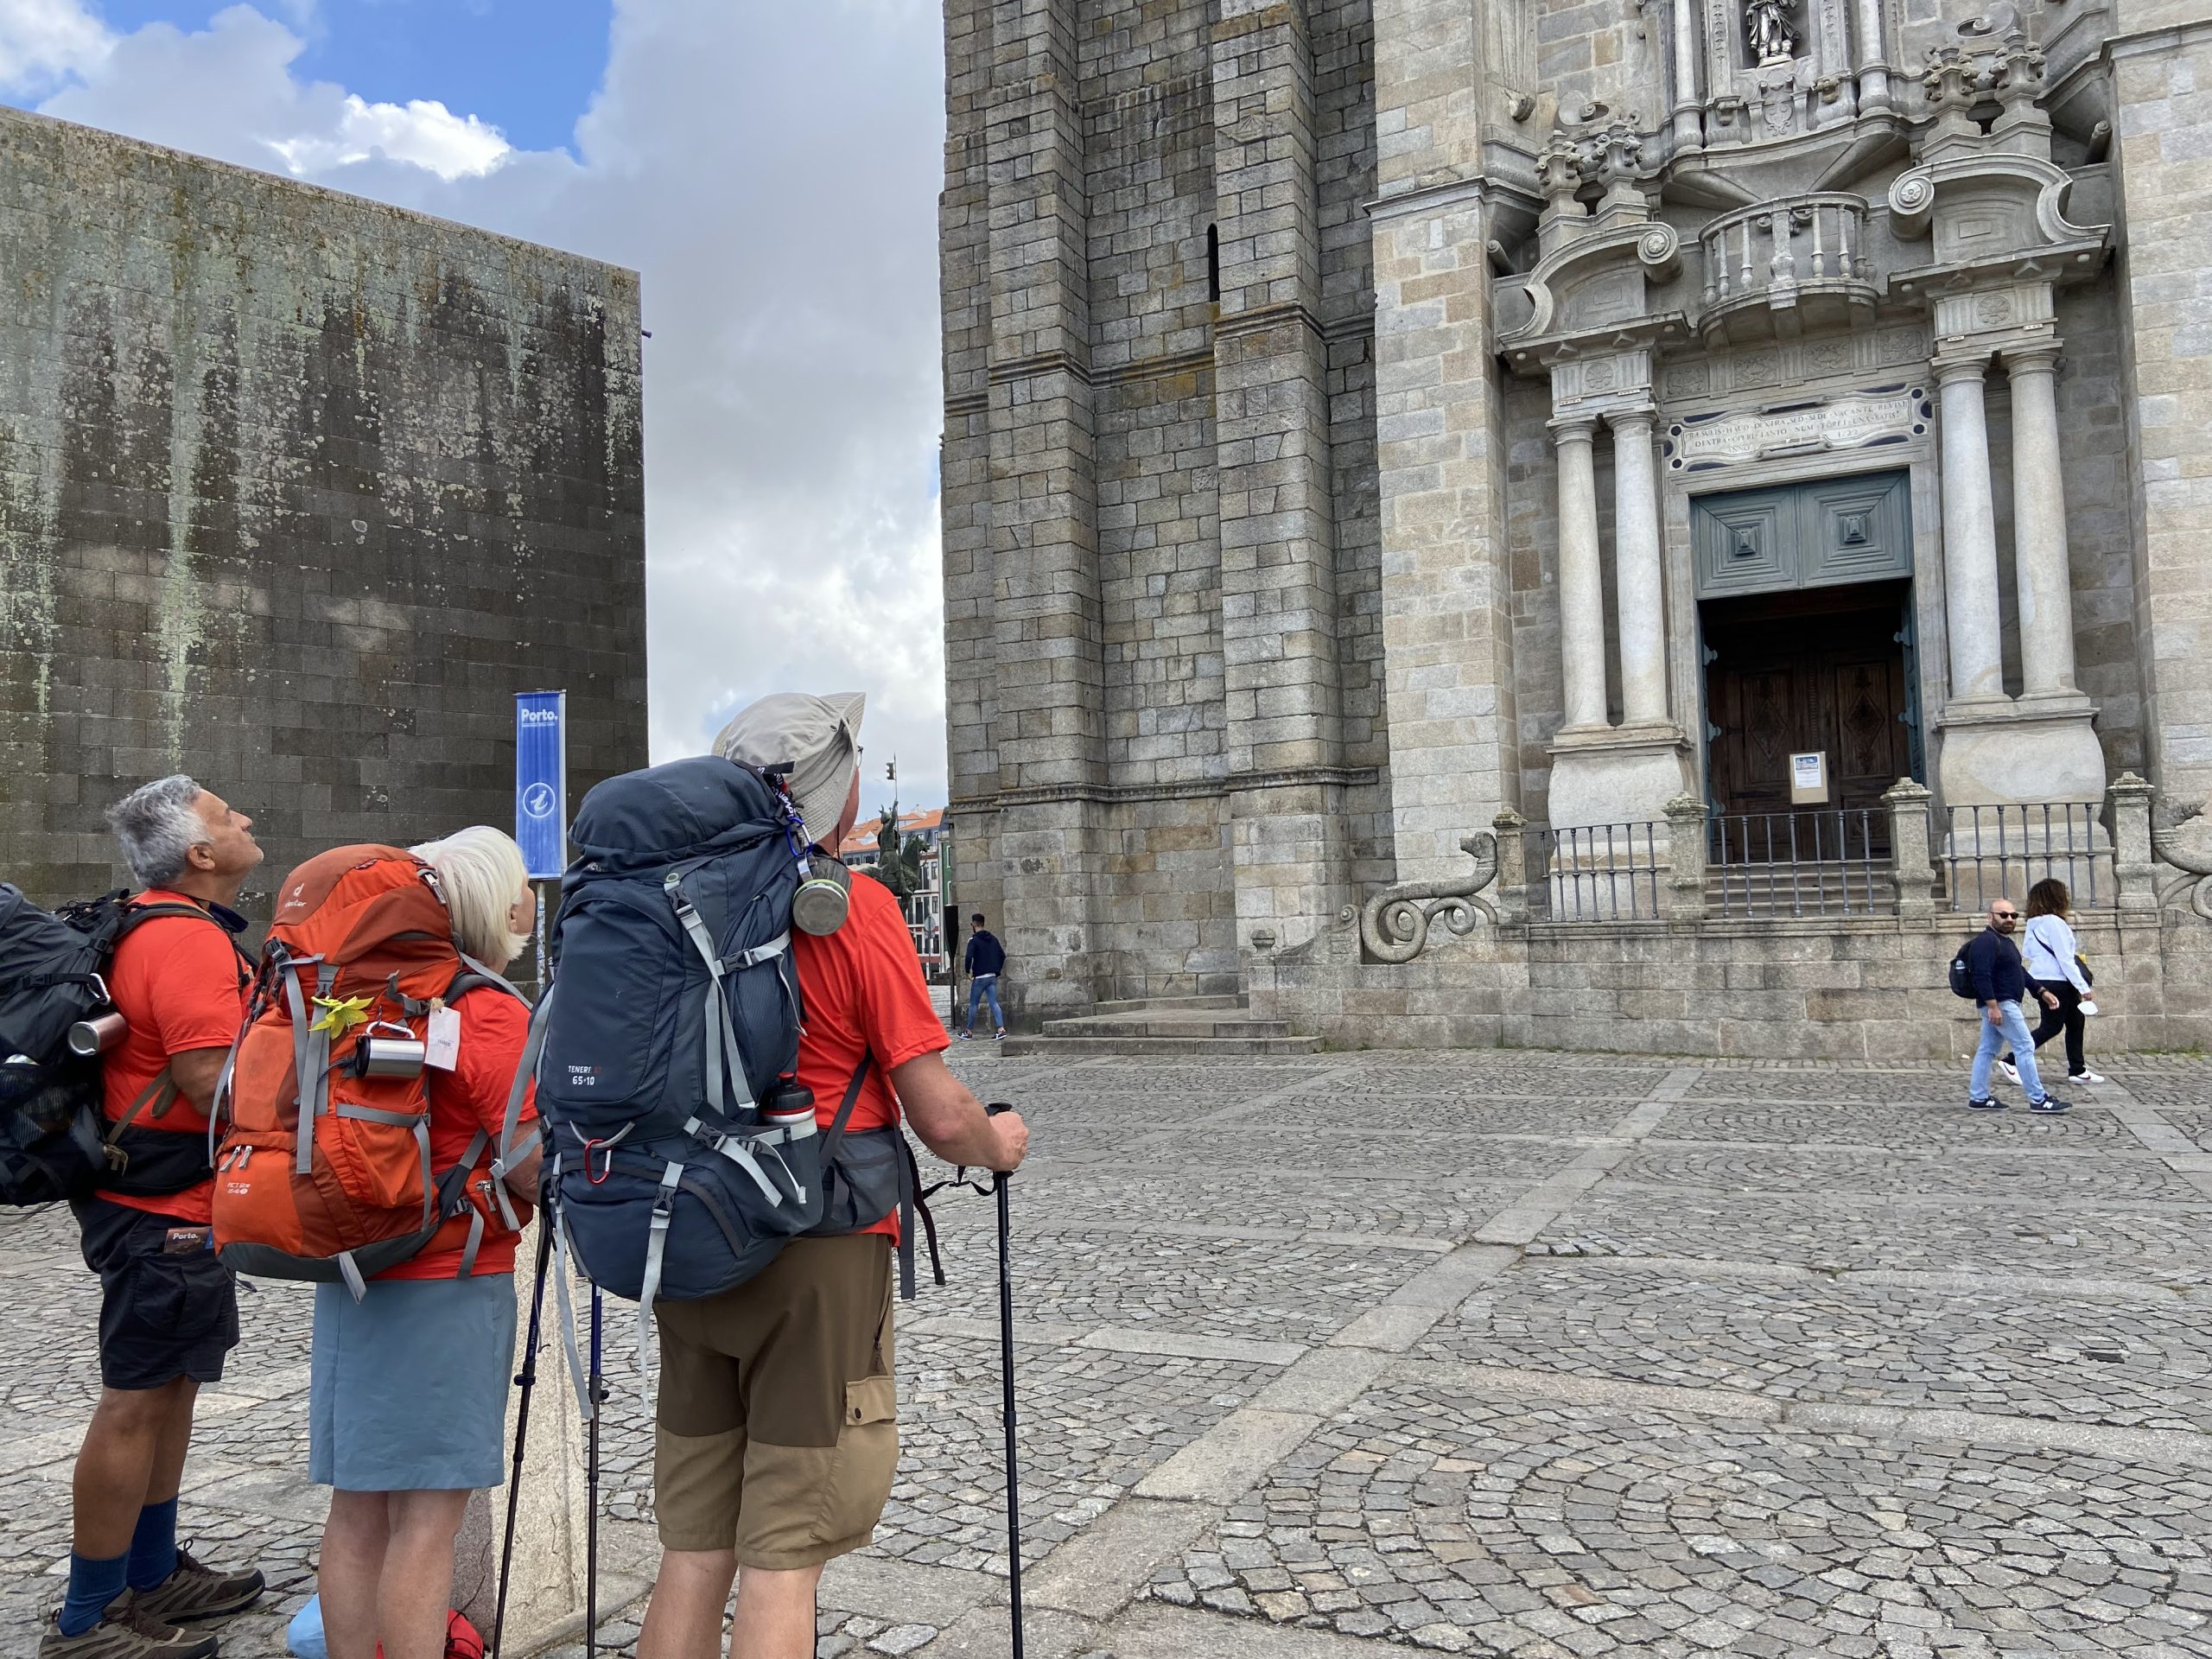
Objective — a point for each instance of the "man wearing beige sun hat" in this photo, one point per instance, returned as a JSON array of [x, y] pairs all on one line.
[[777, 1435]]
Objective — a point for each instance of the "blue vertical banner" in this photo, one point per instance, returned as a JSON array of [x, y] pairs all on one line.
[[542, 781]]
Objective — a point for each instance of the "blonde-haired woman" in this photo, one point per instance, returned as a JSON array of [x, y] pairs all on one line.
[[408, 1402]]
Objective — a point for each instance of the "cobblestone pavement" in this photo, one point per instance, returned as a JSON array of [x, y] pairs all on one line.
[[1496, 1352]]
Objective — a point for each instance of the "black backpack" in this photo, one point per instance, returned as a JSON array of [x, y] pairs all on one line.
[[668, 1040], [1962, 975], [55, 1141]]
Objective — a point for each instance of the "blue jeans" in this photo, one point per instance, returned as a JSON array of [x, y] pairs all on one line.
[[985, 986], [2009, 1031]]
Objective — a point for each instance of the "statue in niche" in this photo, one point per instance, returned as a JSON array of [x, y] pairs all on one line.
[[1768, 31]]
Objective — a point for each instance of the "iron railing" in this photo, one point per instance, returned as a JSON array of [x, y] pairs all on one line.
[[1594, 873], [1815, 863], [1994, 852]]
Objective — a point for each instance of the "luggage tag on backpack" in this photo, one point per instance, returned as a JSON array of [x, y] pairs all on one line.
[[442, 1038]]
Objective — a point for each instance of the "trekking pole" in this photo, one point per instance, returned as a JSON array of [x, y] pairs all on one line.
[[597, 1389], [525, 1380], [1006, 1380]]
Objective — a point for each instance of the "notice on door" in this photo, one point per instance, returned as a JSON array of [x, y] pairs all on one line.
[[1808, 779]]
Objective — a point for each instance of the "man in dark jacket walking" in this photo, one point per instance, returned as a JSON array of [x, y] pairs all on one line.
[[1999, 982], [983, 960]]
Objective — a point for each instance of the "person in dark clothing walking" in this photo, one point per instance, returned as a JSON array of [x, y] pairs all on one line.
[[983, 960], [1999, 983]]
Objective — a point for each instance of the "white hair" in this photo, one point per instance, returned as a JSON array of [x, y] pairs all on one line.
[[158, 829], [482, 873]]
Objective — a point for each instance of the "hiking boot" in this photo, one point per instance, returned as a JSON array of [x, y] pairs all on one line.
[[2082, 1079], [2050, 1105], [194, 1591], [1985, 1105], [125, 1632], [2010, 1069]]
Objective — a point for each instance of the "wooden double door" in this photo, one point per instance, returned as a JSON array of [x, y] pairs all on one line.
[[1822, 670], [1805, 602]]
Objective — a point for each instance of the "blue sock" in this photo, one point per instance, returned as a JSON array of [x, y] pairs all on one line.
[[93, 1584], [153, 1546]]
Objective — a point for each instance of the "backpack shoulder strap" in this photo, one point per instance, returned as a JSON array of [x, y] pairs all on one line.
[[474, 976], [135, 916]]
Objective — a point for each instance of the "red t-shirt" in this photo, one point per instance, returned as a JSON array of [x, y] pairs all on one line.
[[470, 1098], [864, 994], [180, 984]]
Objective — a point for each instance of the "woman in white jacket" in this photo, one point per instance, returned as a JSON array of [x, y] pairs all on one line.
[[2049, 954]]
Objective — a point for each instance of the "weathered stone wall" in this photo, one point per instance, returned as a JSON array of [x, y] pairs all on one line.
[[295, 491], [2161, 56], [1830, 989]]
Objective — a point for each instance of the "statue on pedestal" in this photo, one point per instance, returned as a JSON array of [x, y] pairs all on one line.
[[1768, 31]]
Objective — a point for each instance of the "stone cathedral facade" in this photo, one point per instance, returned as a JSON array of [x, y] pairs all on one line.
[[1428, 484]]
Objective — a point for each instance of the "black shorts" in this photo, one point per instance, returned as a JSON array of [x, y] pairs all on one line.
[[162, 1315]]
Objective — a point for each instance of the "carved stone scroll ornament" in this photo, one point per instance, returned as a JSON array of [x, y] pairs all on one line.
[[1393, 925], [2185, 852]]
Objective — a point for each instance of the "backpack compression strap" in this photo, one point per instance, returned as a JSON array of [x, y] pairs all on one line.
[[722, 1050], [526, 1068]]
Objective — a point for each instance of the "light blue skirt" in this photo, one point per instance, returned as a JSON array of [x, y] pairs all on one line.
[[410, 1384]]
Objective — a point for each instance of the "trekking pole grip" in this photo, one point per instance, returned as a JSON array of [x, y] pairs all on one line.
[[999, 1177]]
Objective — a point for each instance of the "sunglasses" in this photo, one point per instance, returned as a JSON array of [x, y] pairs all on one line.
[[2005, 915]]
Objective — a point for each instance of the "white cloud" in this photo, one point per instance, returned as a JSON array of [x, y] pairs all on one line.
[[423, 132], [772, 170], [42, 40], [229, 91]]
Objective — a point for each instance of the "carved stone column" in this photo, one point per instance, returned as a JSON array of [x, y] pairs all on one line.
[[1512, 866], [1874, 70], [1686, 858], [1581, 586], [1969, 535], [2135, 871], [1689, 131], [2039, 525], [1638, 592], [1911, 870]]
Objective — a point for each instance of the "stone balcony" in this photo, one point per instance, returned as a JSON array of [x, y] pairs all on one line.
[[1786, 267]]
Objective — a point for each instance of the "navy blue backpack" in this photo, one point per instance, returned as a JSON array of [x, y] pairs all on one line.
[[682, 1156]]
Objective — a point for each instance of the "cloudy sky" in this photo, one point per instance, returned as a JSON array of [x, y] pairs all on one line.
[[771, 166]]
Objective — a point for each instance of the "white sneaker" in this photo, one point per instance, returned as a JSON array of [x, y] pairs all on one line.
[[2088, 1005], [2086, 1077], [2008, 1069]]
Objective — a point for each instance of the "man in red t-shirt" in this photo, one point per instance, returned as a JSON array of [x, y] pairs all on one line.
[[169, 1308], [777, 1436]]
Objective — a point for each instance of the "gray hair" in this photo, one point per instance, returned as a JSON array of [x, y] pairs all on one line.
[[158, 829]]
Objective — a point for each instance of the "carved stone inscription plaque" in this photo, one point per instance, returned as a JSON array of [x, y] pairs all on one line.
[[1885, 414]]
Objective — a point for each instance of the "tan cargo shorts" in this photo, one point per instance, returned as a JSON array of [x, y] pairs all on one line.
[[777, 1433]]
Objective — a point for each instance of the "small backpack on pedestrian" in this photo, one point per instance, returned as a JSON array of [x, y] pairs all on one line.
[[55, 1021], [324, 1169], [1963, 975], [683, 1155]]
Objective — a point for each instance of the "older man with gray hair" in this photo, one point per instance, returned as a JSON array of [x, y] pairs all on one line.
[[777, 1434], [168, 1306]]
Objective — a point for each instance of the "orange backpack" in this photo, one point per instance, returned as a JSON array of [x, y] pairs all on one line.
[[324, 1171]]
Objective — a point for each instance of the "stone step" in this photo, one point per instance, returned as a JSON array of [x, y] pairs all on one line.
[[1080, 1048], [1154, 1022], [1134, 1004]]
